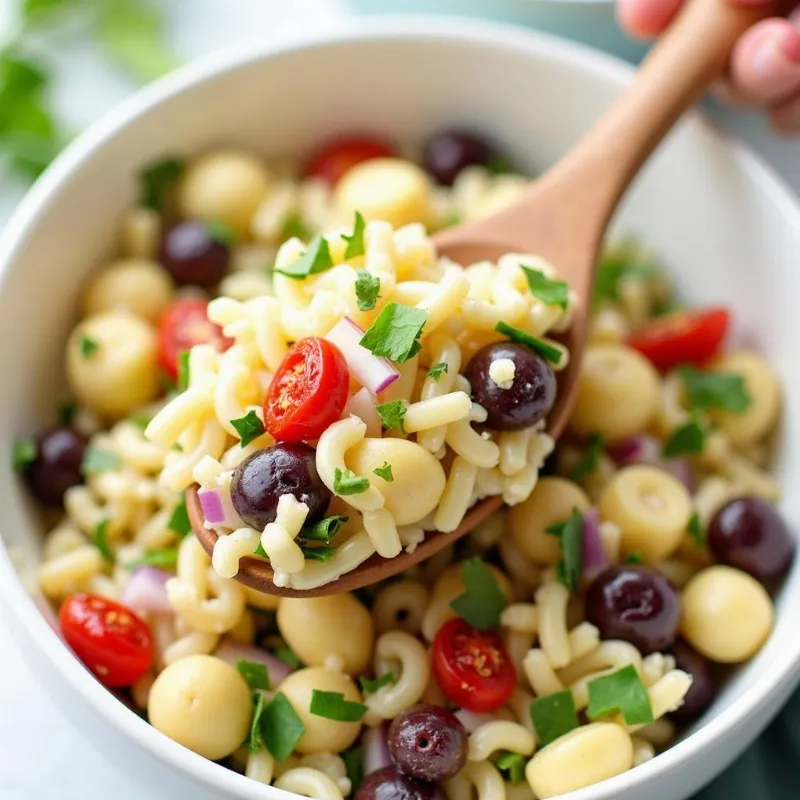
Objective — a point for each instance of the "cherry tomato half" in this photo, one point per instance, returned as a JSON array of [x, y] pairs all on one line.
[[472, 667], [109, 638], [685, 337], [184, 324], [308, 392], [338, 156]]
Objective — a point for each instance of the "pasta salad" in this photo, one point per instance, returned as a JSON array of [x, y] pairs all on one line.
[[286, 338]]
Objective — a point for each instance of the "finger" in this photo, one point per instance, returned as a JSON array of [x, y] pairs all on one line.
[[765, 66], [646, 18], [785, 117]]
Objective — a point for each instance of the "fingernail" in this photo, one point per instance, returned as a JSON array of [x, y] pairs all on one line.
[[777, 63]]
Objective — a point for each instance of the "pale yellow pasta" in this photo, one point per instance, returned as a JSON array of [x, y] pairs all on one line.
[[520, 617], [583, 639], [643, 751], [278, 539], [401, 606], [411, 677], [177, 416], [490, 737], [660, 733], [140, 233], [609, 656], [518, 488], [64, 538], [208, 438], [513, 450], [140, 691], [540, 675], [260, 766], [482, 777], [382, 531], [466, 442], [442, 350], [517, 645], [551, 601], [520, 706], [309, 783], [667, 694], [328, 763], [246, 284], [437, 411], [457, 495], [655, 666], [192, 644], [235, 395], [230, 548], [134, 449], [608, 326]]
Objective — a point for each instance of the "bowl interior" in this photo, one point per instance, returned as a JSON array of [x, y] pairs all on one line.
[[728, 231]]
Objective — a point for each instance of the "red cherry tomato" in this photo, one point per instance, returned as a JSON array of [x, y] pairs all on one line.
[[308, 392], [338, 156], [472, 667], [109, 638], [184, 324], [685, 337]]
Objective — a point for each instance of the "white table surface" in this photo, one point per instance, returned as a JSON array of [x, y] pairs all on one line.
[[41, 755]]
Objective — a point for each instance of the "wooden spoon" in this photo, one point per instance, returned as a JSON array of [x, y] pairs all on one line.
[[563, 217]]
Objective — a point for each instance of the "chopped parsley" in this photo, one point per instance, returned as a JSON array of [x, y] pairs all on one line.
[[332, 705], [354, 764], [634, 558], [513, 764], [254, 737], [545, 350], [347, 482], [695, 530], [590, 459], [621, 264], [248, 427], [355, 242], [551, 293], [66, 413], [315, 259], [369, 685], [285, 655], [437, 370], [395, 333], [255, 674], [280, 727], [179, 520], [164, 558], [293, 226], [686, 439], [100, 541], [98, 459], [385, 472], [483, 601], [723, 390], [221, 232], [368, 289], [317, 553], [157, 179], [570, 533], [553, 716], [392, 415], [621, 691], [23, 453], [88, 346], [183, 370], [324, 530]]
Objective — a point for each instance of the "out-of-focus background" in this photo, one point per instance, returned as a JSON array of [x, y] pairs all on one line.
[[62, 64]]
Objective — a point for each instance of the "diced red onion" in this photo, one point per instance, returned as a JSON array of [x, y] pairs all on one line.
[[681, 469], [594, 555], [231, 652], [218, 508], [375, 748], [364, 405], [645, 449], [372, 372], [145, 590], [471, 720]]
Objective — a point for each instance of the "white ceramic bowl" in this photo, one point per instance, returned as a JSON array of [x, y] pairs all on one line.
[[727, 226]]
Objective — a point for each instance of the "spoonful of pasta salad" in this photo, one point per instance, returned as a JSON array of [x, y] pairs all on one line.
[[397, 389]]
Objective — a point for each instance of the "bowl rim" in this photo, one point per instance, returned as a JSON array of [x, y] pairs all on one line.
[[778, 676]]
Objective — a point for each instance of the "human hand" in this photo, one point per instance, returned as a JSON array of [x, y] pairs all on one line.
[[765, 65]]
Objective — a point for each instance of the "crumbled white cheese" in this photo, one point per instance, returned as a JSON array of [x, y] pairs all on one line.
[[502, 372]]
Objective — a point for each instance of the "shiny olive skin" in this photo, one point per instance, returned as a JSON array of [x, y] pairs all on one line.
[[191, 254], [445, 154], [260, 480], [57, 466], [635, 604], [703, 689], [428, 742], [749, 533], [531, 395], [390, 783]]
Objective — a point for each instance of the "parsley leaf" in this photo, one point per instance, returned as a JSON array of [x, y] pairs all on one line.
[[695, 531], [179, 521], [621, 691], [354, 764], [23, 453], [369, 686], [551, 293], [255, 674], [553, 716], [545, 350], [100, 541], [221, 232], [622, 263], [392, 415], [248, 427], [317, 553], [183, 370], [255, 738], [324, 530], [385, 472], [723, 390], [483, 601], [570, 532], [332, 705], [285, 655], [280, 727], [355, 242], [164, 558], [98, 459], [315, 259], [294, 226], [156, 181], [634, 558], [88, 346], [395, 333], [513, 764], [437, 370], [66, 413], [686, 439], [590, 459], [347, 482], [368, 289]]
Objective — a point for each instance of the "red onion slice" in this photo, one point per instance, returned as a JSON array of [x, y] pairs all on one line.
[[646, 449], [364, 405], [218, 509], [594, 555], [145, 590], [372, 372], [375, 748], [231, 652]]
